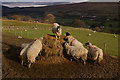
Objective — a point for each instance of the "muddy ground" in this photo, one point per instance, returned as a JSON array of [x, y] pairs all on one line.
[[54, 63]]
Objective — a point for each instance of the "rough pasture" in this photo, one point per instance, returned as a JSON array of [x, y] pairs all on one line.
[[17, 28]]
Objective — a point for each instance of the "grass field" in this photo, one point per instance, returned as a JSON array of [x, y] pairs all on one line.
[[99, 38]]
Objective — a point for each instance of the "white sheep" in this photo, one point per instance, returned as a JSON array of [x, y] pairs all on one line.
[[25, 30], [23, 53], [89, 34], [31, 51], [57, 30], [115, 35], [72, 41], [76, 52], [94, 31], [19, 37], [96, 54]]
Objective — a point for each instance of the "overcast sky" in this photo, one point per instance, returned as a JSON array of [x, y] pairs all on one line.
[[59, 0]]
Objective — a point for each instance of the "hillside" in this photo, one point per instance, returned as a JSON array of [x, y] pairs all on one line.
[[52, 66], [99, 9]]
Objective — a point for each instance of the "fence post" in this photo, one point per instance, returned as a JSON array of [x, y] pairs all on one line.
[[105, 48]]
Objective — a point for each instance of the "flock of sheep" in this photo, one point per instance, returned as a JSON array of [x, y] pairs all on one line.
[[73, 47]]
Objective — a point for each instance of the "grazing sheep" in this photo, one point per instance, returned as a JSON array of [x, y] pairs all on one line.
[[94, 31], [23, 53], [25, 30], [76, 52], [56, 29], [89, 34], [72, 41], [31, 51], [19, 37], [115, 35], [35, 28], [96, 54]]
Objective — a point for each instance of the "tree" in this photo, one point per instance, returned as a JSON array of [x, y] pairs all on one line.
[[27, 18], [4, 17], [16, 17], [50, 18], [78, 23]]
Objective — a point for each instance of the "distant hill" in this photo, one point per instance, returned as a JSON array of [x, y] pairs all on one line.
[[76, 10], [29, 4]]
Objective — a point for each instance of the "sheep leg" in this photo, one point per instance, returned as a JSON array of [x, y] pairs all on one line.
[[84, 62], [84, 59], [29, 65], [55, 37], [22, 62], [71, 60], [98, 60], [59, 37]]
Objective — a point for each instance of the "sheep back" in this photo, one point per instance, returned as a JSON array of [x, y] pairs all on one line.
[[77, 52], [34, 50]]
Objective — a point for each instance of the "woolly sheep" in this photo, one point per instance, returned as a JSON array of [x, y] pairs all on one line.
[[76, 52], [56, 29], [96, 54], [31, 51], [19, 37], [115, 35], [89, 34], [24, 52], [25, 30], [94, 31], [72, 41]]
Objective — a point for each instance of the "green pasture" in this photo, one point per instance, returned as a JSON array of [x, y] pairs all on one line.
[[98, 38]]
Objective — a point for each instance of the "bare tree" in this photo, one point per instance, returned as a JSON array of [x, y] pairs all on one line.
[[50, 18]]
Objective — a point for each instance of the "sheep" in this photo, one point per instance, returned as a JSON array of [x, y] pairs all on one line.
[[72, 41], [76, 52], [31, 51], [89, 34], [115, 35], [94, 31], [25, 30], [19, 37], [23, 53], [96, 54], [57, 30]]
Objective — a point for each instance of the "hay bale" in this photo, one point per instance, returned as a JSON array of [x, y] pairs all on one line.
[[52, 48]]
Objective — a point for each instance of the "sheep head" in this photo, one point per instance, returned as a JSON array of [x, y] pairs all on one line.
[[88, 44]]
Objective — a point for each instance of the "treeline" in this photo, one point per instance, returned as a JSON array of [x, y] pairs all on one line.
[[49, 18]]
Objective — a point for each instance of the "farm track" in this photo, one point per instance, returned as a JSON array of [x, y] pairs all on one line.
[[11, 67]]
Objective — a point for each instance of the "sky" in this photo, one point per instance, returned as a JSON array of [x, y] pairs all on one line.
[[59, 0]]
